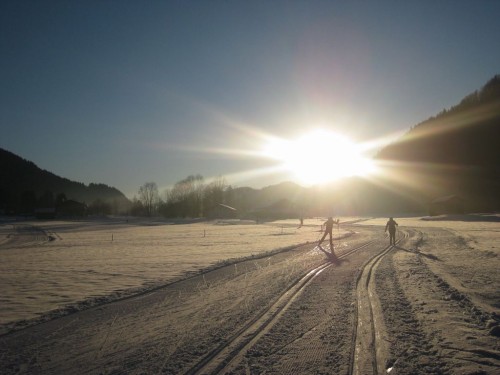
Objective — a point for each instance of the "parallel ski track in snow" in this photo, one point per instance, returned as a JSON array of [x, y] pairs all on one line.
[[25, 235], [366, 333], [227, 355]]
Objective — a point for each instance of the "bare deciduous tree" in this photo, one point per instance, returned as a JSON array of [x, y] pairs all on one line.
[[214, 194], [148, 195]]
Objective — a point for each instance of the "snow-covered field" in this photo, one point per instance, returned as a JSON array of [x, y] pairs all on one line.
[[469, 253], [89, 262], [434, 297]]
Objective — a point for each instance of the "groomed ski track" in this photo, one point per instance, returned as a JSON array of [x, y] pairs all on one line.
[[226, 357]]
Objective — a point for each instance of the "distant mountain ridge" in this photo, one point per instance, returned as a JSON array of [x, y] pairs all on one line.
[[19, 176], [285, 199], [456, 152], [466, 134]]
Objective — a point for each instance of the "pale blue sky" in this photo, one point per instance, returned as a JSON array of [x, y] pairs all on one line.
[[125, 92]]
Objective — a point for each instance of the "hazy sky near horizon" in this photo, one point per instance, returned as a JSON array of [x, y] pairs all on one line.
[[125, 92]]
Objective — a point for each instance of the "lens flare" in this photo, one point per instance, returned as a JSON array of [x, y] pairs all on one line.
[[319, 157]]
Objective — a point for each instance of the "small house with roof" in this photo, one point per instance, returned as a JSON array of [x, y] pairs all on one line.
[[222, 211]]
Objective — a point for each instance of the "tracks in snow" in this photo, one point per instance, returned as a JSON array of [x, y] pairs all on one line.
[[25, 235], [368, 347], [227, 356]]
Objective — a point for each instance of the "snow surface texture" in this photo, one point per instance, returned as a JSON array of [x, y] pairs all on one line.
[[55, 267], [469, 256], [437, 291]]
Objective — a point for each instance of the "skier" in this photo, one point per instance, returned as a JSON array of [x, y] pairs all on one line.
[[301, 222], [328, 230], [391, 225]]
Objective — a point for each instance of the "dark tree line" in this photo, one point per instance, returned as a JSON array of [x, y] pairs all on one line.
[[30, 203], [191, 197]]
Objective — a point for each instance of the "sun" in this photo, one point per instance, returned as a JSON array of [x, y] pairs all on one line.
[[319, 157]]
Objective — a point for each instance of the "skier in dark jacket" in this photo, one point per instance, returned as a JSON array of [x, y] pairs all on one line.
[[328, 230], [391, 225]]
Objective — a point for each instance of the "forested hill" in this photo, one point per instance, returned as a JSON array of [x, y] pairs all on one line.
[[456, 152], [22, 180], [466, 134]]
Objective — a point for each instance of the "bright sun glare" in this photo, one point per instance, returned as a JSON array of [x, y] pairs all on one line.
[[319, 157]]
